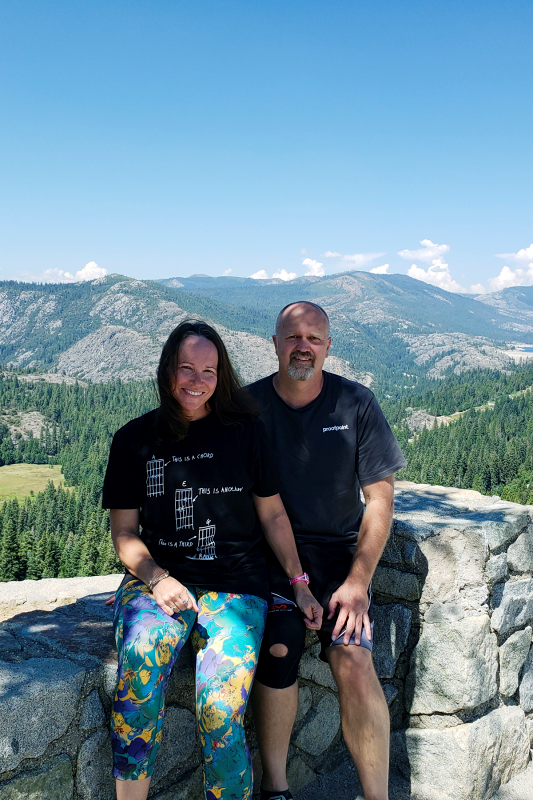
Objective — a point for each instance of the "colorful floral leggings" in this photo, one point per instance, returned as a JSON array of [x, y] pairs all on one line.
[[226, 637]]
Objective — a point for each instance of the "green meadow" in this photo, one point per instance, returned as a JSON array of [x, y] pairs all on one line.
[[18, 480]]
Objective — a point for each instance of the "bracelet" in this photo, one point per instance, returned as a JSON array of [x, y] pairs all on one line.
[[303, 577], [160, 576]]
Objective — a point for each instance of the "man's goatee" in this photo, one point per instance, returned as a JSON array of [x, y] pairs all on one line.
[[300, 373]]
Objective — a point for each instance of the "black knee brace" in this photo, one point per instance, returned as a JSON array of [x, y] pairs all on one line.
[[284, 626]]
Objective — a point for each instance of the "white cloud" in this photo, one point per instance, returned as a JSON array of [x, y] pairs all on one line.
[[517, 277], [354, 259], [438, 274], [227, 271], [259, 276], [428, 252], [508, 277], [383, 270], [524, 256], [478, 288], [283, 275], [360, 259], [314, 268], [90, 272]]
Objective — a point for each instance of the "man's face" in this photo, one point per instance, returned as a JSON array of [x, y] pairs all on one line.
[[302, 342]]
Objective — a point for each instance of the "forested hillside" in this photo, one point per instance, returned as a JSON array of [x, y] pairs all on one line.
[[63, 532], [488, 447]]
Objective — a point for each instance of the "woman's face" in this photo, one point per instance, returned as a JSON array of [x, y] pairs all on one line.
[[196, 375]]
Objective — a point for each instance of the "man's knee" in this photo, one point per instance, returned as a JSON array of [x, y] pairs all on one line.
[[279, 650], [353, 668]]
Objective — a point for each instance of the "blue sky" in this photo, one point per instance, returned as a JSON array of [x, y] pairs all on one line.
[[161, 138]]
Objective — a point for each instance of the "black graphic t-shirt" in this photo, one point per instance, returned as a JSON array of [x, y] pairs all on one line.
[[324, 453], [197, 516]]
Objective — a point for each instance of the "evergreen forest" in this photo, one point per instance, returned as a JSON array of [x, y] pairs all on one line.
[[63, 531], [487, 447]]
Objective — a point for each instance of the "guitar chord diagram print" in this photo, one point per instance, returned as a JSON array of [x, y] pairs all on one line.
[[206, 544], [155, 477], [184, 509]]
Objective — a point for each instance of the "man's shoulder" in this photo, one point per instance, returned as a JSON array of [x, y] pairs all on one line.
[[351, 390]]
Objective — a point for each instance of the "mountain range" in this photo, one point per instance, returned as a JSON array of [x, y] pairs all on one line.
[[388, 330]]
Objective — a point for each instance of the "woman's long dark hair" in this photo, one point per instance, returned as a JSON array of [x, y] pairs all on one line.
[[229, 402]]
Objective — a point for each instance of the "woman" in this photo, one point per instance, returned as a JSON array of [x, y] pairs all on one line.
[[184, 483]]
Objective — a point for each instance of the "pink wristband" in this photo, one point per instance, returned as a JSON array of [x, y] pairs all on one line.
[[303, 577]]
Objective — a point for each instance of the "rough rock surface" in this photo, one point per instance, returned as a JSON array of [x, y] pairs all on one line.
[[496, 568], [456, 350], [513, 605], [400, 585], [53, 782], [92, 715], [467, 762], [526, 684], [392, 624], [51, 688], [433, 687], [317, 734], [94, 774], [170, 756], [520, 553], [513, 653]]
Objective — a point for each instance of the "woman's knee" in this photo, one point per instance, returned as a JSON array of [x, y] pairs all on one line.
[[218, 717]]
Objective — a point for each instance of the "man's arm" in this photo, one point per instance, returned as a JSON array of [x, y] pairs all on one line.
[[279, 535], [352, 596]]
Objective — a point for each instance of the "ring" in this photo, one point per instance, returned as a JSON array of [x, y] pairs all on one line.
[[184, 600], [174, 608]]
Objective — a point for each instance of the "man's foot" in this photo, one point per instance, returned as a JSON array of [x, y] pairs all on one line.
[[283, 795]]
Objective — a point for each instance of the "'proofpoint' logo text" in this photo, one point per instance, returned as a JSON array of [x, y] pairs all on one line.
[[335, 428]]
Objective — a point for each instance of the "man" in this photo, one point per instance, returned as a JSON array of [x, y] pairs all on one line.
[[331, 440]]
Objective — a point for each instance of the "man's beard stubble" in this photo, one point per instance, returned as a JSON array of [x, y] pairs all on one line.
[[301, 373]]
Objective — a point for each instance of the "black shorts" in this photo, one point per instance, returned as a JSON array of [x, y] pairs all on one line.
[[328, 567]]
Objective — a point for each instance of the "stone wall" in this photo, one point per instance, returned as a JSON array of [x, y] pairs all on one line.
[[453, 632]]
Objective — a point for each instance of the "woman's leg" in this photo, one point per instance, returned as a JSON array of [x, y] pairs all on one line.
[[148, 643], [226, 638]]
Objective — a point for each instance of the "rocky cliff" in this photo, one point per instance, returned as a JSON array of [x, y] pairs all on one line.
[[453, 650]]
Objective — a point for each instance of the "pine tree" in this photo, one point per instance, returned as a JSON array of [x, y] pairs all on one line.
[[9, 561], [89, 549], [108, 562]]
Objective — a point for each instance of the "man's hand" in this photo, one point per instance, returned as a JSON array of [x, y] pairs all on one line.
[[308, 605], [351, 598]]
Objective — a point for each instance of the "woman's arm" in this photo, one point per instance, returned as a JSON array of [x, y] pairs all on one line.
[[169, 594], [279, 535]]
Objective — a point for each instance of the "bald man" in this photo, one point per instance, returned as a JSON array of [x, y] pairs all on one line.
[[331, 440]]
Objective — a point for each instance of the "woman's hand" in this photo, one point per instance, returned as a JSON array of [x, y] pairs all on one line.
[[308, 605], [169, 594], [172, 596]]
